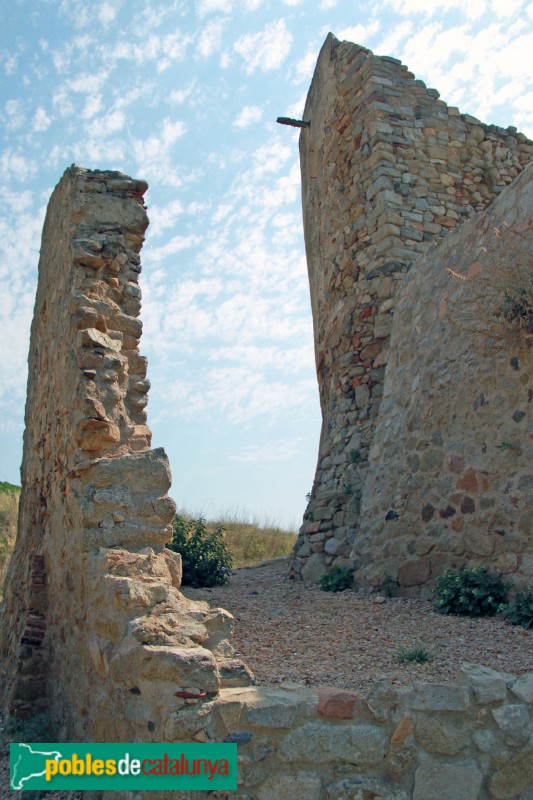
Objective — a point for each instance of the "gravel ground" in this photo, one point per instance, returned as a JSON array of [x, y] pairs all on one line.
[[288, 630]]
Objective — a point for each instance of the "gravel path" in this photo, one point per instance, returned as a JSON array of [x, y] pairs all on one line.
[[293, 631]]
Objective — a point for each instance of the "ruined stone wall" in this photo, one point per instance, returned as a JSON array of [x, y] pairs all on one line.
[[452, 454], [458, 741], [387, 168], [93, 626]]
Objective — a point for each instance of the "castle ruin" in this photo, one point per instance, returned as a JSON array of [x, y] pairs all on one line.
[[425, 452], [93, 626]]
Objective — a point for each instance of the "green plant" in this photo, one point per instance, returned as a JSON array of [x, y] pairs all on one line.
[[509, 446], [389, 586], [205, 556], [474, 592], [354, 455], [518, 307], [520, 611], [338, 579], [415, 655]]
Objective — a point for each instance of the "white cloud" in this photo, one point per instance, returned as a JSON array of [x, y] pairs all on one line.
[[41, 120], [473, 9], [174, 245], [204, 7], [164, 217], [93, 105], [179, 96], [273, 451], [88, 83], [248, 116], [360, 34], [306, 65], [15, 115], [327, 4], [266, 49], [107, 13], [389, 44], [16, 166], [210, 37]]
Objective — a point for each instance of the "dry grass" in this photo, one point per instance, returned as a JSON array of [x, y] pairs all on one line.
[[9, 498], [250, 541]]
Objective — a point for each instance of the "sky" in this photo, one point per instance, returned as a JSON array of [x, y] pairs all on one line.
[[185, 93]]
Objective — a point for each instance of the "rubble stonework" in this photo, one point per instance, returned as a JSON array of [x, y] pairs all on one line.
[[468, 740], [93, 625], [387, 169]]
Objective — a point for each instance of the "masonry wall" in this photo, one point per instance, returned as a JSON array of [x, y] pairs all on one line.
[[92, 615], [450, 479], [468, 740], [387, 168]]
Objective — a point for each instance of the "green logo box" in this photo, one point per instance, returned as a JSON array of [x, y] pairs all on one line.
[[115, 766]]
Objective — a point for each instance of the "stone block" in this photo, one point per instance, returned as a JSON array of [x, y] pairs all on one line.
[[437, 735], [361, 745], [437, 780], [488, 685], [338, 703], [314, 567], [515, 723], [522, 687], [439, 697], [514, 778]]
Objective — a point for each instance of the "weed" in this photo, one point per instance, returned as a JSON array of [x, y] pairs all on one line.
[[520, 611], [338, 579], [415, 655], [354, 455], [389, 586], [510, 446], [473, 592]]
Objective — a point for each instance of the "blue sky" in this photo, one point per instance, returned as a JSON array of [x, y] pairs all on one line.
[[186, 94]]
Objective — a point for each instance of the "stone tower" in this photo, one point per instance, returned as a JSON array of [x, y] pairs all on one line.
[[387, 170]]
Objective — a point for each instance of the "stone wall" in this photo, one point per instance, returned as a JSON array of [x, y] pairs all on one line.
[[387, 168], [464, 741], [92, 615], [450, 478]]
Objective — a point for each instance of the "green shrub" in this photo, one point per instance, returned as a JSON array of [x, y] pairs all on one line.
[[205, 556], [389, 586], [415, 655], [337, 579], [474, 592], [520, 611]]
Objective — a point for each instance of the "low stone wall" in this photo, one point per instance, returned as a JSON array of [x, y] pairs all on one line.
[[465, 741]]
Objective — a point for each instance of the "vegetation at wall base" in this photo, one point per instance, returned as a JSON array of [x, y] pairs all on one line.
[[472, 592], [338, 579], [205, 556], [520, 611]]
